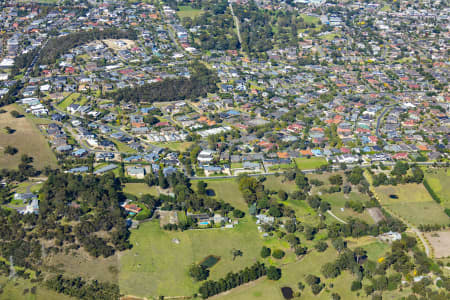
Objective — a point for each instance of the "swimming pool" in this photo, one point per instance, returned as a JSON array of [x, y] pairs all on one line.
[[204, 223]]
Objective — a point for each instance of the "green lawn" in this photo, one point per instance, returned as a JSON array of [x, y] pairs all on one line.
[[27, 139], [304, 163], [414, 204], [157, 266], [187, 11], [226, 190], [276, 183], [375, 248], [175, 146], [139, 189], [68, 101], [122, 147], [439, 181], [310, 19]]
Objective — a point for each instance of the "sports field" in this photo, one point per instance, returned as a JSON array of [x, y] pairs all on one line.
[[413, 203], [26, 138]]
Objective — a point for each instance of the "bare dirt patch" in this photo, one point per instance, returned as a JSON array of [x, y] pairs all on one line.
[[167, 217], [122, 44], [376, 214], [440, 241]]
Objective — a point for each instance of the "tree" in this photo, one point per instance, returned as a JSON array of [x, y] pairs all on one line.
[[273, 273], [278, 253], [339, 244], [311, 279], [10, 150], [201, 187], [9, 130], [236, 252], [321, 246], [330, 270], [299, 250], [290, 226], [238, 213], [282, 195], [356, 285], [360, 253], [198, 272], [265, 252], [336, 179], [292, 240], [335, 296], [301, 181], [15, 114]]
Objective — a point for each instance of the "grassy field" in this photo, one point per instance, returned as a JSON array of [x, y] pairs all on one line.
[[26, 138], [139, 189], [310, 19], [68, 101], [337, 201], [311, 264], [275, 183], [291, 275], [375, 248], [155, 259], [15, 289], [175, 146], [122, 147], [82, 264], [414, 204], [304, 163], [22, 187], [439, 181], [187, 11], [227, 190]]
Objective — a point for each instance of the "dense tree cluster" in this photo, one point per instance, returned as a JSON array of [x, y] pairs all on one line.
[[358, 228], [201, 82], [77, 287], [89, 203], [254, 194], [60, 45], [232, 280]]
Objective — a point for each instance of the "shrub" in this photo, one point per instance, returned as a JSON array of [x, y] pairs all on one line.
[[278, 254], [265, 252], [321, 246], [273, 273], [356, 285]]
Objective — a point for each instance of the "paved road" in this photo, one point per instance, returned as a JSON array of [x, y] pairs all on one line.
[[380, 119]]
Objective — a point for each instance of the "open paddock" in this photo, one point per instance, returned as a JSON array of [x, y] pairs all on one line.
[[440, 241]]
